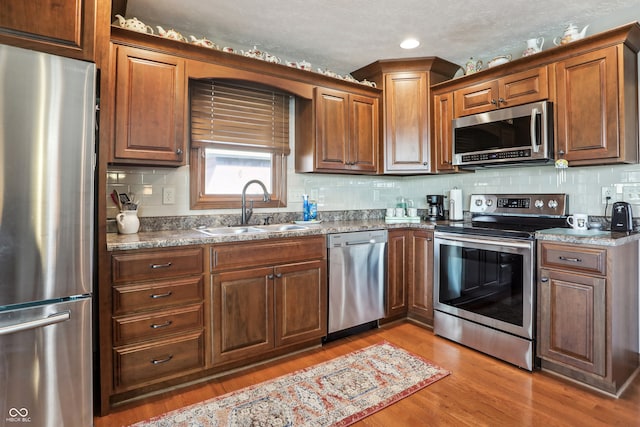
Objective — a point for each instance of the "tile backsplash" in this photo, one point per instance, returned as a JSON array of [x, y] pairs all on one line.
[[355, 192]]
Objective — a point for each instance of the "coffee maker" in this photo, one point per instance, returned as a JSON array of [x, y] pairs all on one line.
[[435, 207]]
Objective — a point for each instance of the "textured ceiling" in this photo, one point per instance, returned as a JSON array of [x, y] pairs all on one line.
[[345, 35]]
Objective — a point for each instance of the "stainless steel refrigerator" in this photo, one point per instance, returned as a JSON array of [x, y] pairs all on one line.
[[47, 162]]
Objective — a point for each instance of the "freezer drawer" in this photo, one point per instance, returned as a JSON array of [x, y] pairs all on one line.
[[46, 365]]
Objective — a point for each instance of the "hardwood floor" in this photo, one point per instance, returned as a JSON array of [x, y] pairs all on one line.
[[481, 391]]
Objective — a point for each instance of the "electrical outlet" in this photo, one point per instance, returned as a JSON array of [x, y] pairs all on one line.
[[607, 192], [168, 195]]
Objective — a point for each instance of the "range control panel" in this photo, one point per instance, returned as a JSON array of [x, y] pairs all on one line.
[[520, 204]]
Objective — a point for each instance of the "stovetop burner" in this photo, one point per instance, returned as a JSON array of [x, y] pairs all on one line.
[[513, 216]]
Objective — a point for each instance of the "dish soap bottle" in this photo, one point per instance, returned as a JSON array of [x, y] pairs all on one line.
[[305, 207]]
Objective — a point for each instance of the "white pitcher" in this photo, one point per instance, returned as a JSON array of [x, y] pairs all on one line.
[[128, 222], [533, 46]]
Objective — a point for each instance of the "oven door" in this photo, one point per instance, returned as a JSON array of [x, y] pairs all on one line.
[[486, 280]]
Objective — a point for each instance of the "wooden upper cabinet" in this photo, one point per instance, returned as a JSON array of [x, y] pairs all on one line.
[[60, 27], [406, 122], [514, 89], [597, 107], [443, 132], [346, 131], [407, 110], [150, 104]]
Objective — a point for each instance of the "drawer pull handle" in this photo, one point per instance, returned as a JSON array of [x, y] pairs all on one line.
[[161, 325], [167, 265], [161, 361], [165, 295], [564, 258]]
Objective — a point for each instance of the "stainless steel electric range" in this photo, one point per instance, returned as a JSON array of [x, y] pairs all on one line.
[[485, 273]]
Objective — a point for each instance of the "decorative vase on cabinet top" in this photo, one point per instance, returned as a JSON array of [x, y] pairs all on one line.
[[534, 45], [571, 34]]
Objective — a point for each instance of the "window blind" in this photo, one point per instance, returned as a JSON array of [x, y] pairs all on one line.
[[232, 115]]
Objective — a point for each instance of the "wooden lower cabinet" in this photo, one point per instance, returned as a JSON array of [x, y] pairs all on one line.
[[257, 309], [397, 262], [410, 275], [155, 330], [572, 327], [588, 312], [421, 276]]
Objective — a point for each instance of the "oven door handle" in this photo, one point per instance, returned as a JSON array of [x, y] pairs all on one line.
[[525, 244]]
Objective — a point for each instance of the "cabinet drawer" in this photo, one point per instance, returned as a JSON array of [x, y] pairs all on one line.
[[137, 365], [587, 260], [131, 329], [128, 267], [267, 252], [155, 295]]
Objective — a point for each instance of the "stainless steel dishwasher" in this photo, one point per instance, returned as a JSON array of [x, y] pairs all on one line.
[[357, 270]]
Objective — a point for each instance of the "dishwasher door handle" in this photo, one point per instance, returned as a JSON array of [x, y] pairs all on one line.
[[363, 242]]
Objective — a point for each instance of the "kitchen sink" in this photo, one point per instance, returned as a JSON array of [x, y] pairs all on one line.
[[285, 227], [230, 231], [235, 230]]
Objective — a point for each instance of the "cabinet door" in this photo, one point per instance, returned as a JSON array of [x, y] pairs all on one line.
[[242, 314], [301, 302], [572, 320], [477, 98], [396, 301], [332, 129], [421, 276], [150, 103], [522, 88], [514, 89], [587, 107], [364, 131], [60, 27], [406, 122], [443, 132]]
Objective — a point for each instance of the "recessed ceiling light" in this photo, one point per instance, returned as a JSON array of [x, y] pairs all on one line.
[[410, 44]]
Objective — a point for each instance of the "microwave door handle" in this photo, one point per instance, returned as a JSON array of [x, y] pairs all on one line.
[[534, 135]]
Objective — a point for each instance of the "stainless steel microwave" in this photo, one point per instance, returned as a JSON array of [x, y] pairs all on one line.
[[505, 137]]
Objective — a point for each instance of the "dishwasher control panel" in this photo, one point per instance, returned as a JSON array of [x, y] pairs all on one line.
[[356, 238]]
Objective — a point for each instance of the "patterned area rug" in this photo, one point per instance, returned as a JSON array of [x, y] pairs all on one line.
[[334, 393]]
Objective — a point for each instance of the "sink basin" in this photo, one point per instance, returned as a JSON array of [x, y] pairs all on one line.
[[247, 229], [286, 227], [230, 231]]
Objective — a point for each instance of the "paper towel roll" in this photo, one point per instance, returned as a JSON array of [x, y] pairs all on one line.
[[455, 204]]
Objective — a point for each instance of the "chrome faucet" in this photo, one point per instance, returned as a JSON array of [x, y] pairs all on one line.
[[246, 213]]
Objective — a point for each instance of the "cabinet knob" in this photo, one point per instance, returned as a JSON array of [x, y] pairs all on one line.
[[270, 277], [501, 100], [425, 163], [279, 275], [179, 151], [494, 102], [544, 279]]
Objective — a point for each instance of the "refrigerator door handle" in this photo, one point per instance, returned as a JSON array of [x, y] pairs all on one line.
[[36, 323]]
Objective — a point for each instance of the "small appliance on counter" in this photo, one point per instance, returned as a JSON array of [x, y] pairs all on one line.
[[621, 217], [455, 205], [435, 207]]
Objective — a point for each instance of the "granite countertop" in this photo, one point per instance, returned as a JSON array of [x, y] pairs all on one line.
[[185, 237], [170, 238], [587, 237]]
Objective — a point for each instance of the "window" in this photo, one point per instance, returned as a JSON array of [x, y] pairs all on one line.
[[239, 132]]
